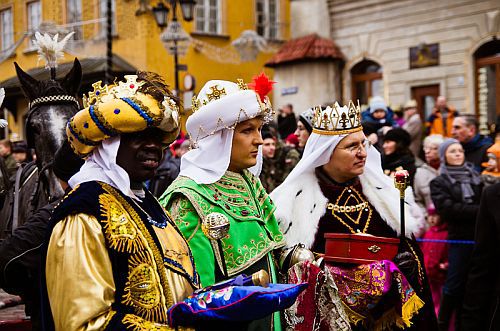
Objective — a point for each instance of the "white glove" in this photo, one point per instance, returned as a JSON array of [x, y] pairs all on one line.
[[3, 123]]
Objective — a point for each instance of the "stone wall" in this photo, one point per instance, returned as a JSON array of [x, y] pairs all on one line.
[[384, 30]]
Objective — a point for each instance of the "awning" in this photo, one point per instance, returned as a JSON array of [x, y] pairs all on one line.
[[304, 49]]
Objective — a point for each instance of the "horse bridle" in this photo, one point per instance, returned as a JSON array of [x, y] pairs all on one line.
[[52, 99], [33, 106]]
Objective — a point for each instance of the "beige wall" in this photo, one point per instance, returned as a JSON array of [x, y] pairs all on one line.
[[384, 30], [315, 82], [309, 16]]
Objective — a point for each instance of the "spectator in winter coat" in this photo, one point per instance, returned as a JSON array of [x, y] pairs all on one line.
[[427, 171], [396, 154], [456, 193], [435, 254], [287, 123], [441, 119], [304, 128], [413, 126], [491, 173], [378, 113], [277, 162], [20, 254], [465, 130], [482, 296]]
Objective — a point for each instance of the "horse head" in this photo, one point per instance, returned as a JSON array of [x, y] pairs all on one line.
[[51, 104]]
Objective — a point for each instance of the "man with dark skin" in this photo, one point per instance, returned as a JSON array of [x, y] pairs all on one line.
[[109, 237]]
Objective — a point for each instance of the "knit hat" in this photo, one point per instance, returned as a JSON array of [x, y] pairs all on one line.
[[266, 133], [398, 135], [410, 104], [444, 146], [377, 103], [19, 147], [292, 139], [306, 118], [142, 101], [66, 162]]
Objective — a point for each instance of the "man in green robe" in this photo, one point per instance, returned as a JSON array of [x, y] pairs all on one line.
[[218, 181]]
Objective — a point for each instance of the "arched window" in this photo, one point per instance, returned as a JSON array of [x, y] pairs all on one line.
[[366, 81], [487, 60]]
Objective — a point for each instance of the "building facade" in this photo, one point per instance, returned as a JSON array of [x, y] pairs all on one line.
[[402, 49], [136, 42]]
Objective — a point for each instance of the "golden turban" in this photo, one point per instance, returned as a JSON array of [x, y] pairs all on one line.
[[128, 107]]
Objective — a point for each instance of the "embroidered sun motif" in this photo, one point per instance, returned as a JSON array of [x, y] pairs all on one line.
[[142, 289], [118, 226]]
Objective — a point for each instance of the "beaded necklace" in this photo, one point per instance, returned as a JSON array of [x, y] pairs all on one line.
[[345, 209]]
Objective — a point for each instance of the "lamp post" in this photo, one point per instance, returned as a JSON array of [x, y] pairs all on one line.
[[174, 38]]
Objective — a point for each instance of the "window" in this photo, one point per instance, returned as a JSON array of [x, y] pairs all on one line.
[[103, 10], [366, 81], [34, 14], [74, 17], [267, 13], [208, 16], [487, 76], [6, 29]]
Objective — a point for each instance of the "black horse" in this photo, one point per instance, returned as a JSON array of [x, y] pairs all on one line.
[[51, 104]]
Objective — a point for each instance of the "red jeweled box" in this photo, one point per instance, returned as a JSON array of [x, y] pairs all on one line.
[[359, 248]]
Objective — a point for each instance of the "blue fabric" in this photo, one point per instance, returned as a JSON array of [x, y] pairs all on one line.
[[234, 303]]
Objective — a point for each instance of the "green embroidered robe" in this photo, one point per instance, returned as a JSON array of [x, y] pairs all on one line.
[[253, 233]]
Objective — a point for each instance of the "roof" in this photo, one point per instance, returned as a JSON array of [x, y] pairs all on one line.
[[90, 66], [307, 48]]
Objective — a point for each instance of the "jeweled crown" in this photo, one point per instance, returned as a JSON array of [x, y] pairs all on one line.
[[126, 89], [336, 120]]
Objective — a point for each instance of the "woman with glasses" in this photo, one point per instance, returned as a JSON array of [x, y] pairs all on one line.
[[339, 187]]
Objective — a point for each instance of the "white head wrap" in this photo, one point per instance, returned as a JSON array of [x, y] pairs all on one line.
[[101, 166], [211, 129], [378, 187]]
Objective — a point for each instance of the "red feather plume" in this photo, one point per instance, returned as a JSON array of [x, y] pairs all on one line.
[[262, 85]]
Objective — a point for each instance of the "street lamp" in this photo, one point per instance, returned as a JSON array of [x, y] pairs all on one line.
[[174, 38]]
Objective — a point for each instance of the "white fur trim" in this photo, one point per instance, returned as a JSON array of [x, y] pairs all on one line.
[[300, 204]]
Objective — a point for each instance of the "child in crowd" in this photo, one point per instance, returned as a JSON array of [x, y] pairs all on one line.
[[435, 254], [491, 173]]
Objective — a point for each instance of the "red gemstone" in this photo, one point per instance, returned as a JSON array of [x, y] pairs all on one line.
[[132, 85], [401, 176]]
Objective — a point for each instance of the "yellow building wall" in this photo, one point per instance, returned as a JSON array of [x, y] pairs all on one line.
[[138, 40]]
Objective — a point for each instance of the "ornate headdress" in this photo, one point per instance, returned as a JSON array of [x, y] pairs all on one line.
[[125, 107], [223, 104], [336, 120]]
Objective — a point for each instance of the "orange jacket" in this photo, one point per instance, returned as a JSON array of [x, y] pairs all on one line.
[[434, 123]]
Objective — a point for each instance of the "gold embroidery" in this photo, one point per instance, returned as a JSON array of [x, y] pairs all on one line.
[[152, 256], [118, 226], [142, 289], [136, 323], [108, 319]]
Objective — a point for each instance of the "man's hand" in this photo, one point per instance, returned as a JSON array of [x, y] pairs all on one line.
[[3, 123]]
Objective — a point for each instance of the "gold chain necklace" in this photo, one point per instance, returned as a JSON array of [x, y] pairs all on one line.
[[350, 189]]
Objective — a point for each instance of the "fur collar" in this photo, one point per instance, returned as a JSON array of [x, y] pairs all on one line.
[[300, 204]]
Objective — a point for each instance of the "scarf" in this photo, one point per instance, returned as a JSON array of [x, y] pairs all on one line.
[[465, 175]]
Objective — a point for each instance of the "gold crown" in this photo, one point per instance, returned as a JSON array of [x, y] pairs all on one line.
[[215, 94], [336, 120]]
